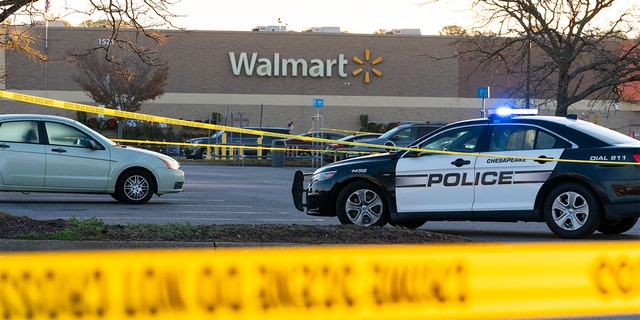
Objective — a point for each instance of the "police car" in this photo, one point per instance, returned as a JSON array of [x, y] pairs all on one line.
[[574, 175]]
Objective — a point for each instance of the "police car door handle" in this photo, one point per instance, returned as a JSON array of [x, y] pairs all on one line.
[[460, 162], [540, 161]]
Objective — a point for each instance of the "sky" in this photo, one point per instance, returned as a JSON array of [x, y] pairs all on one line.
[[354, 16]]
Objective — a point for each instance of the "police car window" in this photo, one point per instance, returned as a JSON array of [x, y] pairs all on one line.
[[458, 140], [509, 138], [545, 141]]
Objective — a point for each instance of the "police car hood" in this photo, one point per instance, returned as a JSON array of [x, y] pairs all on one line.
[[367, 160]]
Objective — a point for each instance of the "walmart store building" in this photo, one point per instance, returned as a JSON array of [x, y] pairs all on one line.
[[273, 78]]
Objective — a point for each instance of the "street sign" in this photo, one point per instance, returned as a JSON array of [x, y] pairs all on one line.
[[483, 92], [318, 103]]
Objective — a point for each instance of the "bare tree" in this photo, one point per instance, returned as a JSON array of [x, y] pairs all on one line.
[[453, 30], [102, 23], [560, 50], [120, 83], [142, 15]]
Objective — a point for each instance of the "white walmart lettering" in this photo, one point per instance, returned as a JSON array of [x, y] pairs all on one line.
[[277, 67]]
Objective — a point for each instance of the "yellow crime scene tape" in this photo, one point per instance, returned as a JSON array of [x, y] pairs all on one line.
[[146, 117], [371, 282], [483, 281]]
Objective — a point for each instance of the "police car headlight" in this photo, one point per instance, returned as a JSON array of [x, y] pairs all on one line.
[[323, 175]]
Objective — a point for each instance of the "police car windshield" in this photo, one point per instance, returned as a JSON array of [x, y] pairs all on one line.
[[603, 134]]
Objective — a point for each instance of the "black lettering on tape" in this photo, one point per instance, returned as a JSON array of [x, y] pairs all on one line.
[[437, 282], [219, 289], [149, 292], [305, 287], [617, 276], [51, 294]]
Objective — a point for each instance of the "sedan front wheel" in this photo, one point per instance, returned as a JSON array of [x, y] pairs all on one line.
[[361, 203], [135, 187]]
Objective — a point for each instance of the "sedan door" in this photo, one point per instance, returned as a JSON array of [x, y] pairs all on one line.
[[439, 179], [72, 162], [22, 157]]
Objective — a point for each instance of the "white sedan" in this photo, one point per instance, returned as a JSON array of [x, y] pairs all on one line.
[[41, 153]]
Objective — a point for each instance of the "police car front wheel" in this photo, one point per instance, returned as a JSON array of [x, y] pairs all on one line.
[[572, 211], [361, 203]]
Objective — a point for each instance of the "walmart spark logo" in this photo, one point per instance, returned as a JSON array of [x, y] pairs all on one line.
[[373, 63]]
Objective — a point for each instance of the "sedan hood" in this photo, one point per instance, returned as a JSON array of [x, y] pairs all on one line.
[[144, 152]]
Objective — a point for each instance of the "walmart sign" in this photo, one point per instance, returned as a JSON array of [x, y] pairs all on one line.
[[275, 66]]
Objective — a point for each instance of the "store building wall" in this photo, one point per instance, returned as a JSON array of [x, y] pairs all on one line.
[[389, 78]]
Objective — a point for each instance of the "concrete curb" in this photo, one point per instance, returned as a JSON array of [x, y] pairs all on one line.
[[11, 245]]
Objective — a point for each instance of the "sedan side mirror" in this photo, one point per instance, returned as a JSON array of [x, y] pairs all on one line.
[[90, 143]]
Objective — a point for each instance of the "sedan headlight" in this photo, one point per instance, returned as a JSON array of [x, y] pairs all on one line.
[[323, 175], [170, 163]]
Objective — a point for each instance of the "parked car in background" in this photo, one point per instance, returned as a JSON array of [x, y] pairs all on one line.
[[41, 153], [400, 136], [199, 149], [300, 147], [338, 150]]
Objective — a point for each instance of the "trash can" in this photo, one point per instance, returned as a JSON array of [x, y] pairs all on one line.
[[277, 153]]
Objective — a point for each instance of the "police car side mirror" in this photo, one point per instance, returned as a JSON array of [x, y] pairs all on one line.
[[413, 153], [389, 144]]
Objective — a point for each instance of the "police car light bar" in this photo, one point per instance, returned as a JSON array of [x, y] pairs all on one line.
[[506, 112]]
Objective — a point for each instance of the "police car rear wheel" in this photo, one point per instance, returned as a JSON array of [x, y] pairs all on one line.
[[361, 203], [572, 211], [617, 226]]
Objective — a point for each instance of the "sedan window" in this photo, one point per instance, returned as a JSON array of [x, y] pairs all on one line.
[[19, 131], [407, 134], [64, 135]]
